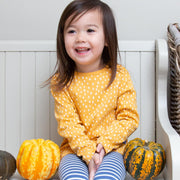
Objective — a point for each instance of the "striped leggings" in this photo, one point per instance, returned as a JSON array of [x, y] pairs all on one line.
[[73, 168]]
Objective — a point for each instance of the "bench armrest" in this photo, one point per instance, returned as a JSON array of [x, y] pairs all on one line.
[[165, 133]]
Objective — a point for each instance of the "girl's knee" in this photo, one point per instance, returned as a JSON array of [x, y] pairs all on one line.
[[72, 167], [112, 168]]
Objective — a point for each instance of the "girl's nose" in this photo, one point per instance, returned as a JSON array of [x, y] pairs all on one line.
[[81, 37]]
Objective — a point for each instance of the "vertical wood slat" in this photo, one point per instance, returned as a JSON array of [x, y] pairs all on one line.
[[122, 59], [133, 65], [148, 95], [2, 100], [53, 123], [42, 96], [141, 66], [28, 96], [13, 101]]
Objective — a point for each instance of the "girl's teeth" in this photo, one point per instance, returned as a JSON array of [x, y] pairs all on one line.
[[82, 49]]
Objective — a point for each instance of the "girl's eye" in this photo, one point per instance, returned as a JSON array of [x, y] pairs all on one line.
[[90, 30], [71, 31]]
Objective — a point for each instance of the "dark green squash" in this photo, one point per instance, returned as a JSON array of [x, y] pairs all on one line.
[[144, 159], [7, 165]]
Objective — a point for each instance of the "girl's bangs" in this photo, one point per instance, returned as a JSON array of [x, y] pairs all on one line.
[[77, 14]]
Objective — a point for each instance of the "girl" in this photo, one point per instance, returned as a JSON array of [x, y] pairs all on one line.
[[95, 102]]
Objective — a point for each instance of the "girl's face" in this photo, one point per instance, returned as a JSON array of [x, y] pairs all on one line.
[[84, 41]]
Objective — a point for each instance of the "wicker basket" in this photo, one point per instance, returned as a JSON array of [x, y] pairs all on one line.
[[174, 62]]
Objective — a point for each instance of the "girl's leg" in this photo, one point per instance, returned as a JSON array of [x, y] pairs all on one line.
[[112, 168], [72, 168]]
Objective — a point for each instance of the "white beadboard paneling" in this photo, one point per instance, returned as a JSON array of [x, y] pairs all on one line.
[[53, 123], [28, 95], [13, 101], [122, 59], [148, 95], [133, 65], [52, 64], [135, 46], [27, 110], [42, 96], [2, 100]]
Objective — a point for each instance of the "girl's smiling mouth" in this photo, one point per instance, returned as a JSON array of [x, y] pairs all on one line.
[[82, 50]]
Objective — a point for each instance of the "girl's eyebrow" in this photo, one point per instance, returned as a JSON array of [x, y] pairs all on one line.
[[87, 25], [90, 25]]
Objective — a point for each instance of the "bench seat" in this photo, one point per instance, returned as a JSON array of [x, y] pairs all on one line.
[[27, 110]]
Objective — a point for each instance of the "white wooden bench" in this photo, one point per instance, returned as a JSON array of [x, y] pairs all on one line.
[[26, 109]]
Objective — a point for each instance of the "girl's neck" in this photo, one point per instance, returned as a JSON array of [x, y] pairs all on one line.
[[87, 69]]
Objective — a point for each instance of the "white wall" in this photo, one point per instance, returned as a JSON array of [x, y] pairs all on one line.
[[38, 19]]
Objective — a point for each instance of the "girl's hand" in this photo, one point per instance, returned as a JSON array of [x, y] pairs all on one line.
[[92, 166], [96, 161], [100, 150]]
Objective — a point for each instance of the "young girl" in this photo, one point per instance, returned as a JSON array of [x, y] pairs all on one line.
[[95, 101]]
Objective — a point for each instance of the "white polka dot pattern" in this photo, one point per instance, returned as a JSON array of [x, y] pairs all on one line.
[[87, 113]]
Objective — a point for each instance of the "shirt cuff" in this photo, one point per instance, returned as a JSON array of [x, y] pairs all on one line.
[[106, 144], [87, 153]]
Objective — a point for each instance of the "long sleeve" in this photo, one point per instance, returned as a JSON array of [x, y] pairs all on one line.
[[71, 127], [127, 118]]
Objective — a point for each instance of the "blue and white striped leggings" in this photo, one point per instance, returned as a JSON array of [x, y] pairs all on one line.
[[73, 168]]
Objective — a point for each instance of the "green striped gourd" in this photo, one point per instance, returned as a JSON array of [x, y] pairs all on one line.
[[144, 159]]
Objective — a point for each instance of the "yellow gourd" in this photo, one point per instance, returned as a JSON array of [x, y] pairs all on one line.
[[38, 159]]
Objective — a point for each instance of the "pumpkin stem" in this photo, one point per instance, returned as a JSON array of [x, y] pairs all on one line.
[[146, 142]]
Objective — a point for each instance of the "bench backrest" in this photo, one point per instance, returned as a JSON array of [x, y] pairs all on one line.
[[27, 110]]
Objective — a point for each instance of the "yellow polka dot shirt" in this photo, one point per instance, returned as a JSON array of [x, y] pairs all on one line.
[[88, 114]]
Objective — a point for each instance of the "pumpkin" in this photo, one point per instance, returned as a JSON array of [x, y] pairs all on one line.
[[144, 159], [38, 159], [7, 165]]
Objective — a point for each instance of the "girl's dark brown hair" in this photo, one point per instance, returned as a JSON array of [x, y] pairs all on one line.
[[65, 66]]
